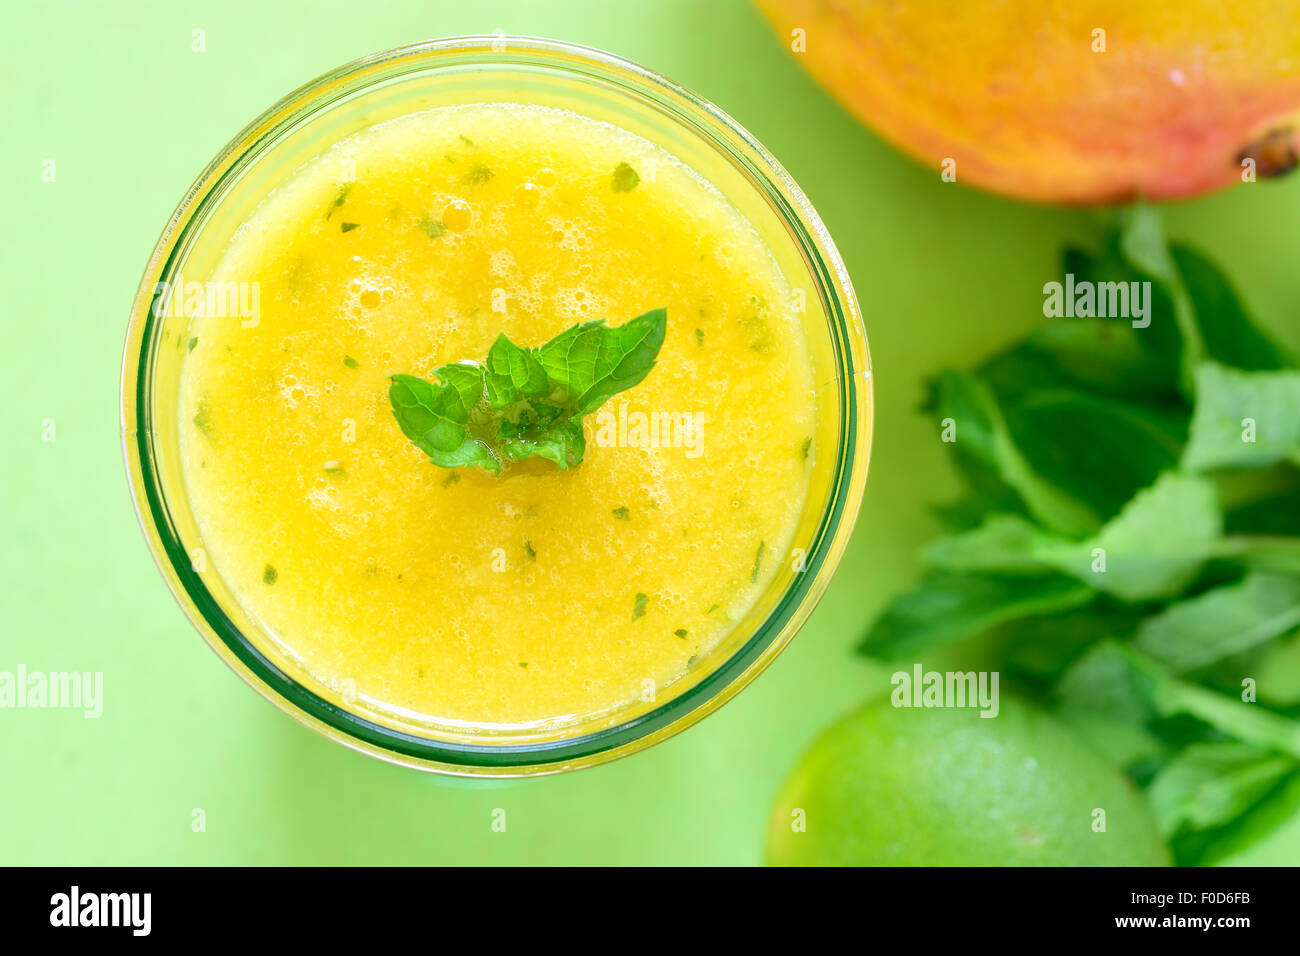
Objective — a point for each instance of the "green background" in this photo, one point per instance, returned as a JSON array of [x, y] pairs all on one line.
[[130, 114]]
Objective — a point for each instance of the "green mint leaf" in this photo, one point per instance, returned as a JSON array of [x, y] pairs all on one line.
[[561, 442], [513, 374], [1229, 331], [1244, 419], [1151, 549], [1108, 354], [270, 575], [436, 418], [1143, 244], [1221, 622], [433, 228], [944, 608], [1278, 673], [983, 438], [1210, 784], [1098, 450], [349, 226], [522, 402], [350, 362], [593, 362], [625, 178], [1267, 835], [639, 606]]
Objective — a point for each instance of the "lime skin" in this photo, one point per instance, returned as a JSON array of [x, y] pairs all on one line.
[[891, 786]]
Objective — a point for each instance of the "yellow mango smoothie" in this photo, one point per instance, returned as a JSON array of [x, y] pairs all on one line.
[[544, 592]]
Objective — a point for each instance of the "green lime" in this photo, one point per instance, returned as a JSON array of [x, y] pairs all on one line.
[[947, 787]]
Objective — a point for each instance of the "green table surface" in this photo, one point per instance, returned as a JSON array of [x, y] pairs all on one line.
[[130, 114]]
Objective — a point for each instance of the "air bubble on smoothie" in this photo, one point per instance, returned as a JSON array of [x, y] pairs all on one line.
[[503, 262], [577, 303], [324, 495], [457, 216]]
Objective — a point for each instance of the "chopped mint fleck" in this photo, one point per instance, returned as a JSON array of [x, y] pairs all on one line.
[[339, 198], [622, 514], [203, 417], [528, 549], [712, 609], [807, 446], [451, 479], [433, 228], [478, 174], [758, 560], [350, 362], [523, 663], [467, 141], [270, 575], [699, 336], [193, 342], [625, 178], [681, 632], [349, 226], [639, 606]]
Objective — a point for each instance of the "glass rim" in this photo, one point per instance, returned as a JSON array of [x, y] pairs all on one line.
[[839, 511]]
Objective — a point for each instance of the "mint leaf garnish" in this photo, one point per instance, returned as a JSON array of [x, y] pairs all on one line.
[[593, 362], [525, 402]]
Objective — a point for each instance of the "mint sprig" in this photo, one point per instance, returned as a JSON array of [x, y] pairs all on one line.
[[1127, 548], [524, 402]]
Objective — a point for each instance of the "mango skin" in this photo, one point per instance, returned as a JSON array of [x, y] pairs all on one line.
[[1013, 92]]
